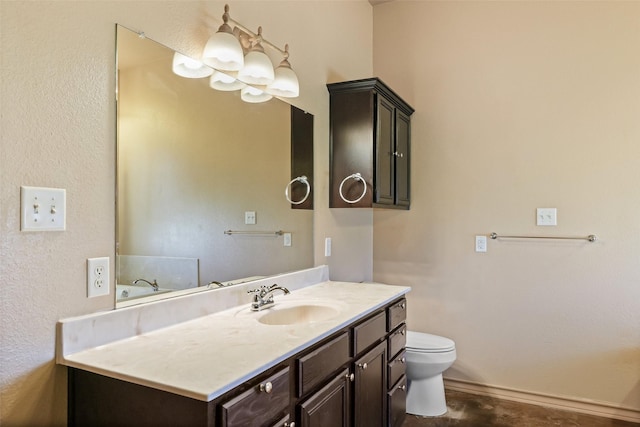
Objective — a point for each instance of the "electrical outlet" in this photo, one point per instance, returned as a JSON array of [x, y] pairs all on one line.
[[481, 243], [97, 277], [546, 216]]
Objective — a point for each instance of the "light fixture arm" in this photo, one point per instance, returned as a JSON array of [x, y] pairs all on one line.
[[249, 35]]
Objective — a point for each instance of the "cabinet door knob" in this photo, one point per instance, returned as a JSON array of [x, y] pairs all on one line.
[[350, 377], [402, 387], [290, 424], [403, 360], [362, 365], [403, 306], [397, 154], [402, 332], [266, 387]]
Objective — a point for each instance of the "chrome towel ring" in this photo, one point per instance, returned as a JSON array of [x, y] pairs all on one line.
[[355, 176], [303, 179]]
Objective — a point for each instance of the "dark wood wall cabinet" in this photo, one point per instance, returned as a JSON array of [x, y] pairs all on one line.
[[370, 136], [355, 377]]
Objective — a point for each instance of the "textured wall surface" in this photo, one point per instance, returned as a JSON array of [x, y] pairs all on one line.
[[520, 105], [58, 130]]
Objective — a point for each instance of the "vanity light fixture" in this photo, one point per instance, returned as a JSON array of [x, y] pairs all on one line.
[[189, 67], [235, 68]]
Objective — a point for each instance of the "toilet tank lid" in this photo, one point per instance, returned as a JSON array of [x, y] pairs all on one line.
[[422, 341]]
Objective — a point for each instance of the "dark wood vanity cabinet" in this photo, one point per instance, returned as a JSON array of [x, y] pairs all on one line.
[[354, 377], [370, 135]]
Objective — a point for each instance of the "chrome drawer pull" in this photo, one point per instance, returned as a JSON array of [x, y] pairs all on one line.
[[402, 332], [402, 387], [362, 365], [403, 360], [291, 424], [350, 377], [266, 387], [402, 306]]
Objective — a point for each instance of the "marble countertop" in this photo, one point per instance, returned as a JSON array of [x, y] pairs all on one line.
[[210, 355]]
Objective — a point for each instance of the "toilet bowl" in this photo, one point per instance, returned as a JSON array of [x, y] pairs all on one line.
[[427, 357]]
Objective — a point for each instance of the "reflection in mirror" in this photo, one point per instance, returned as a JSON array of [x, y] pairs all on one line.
[[193, 163]]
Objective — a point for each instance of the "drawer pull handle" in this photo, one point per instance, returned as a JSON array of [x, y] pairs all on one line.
[[290, 424], [402, 306], [402, 387], [363, 366], [402, 332], [350, 377], [403, 360], [267, 387]]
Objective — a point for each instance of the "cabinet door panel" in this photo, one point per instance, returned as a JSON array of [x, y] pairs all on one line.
[[403, 150], [329, 406], [370, 388], [258, 407], [384, 146]]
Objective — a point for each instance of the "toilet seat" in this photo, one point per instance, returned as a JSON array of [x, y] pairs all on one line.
[[419, 342]]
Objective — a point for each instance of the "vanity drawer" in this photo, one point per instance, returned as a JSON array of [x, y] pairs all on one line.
[[397, 403], [318, 365], [396, 369], [396, 314], [260, 404], [397, 340], [369, 332]]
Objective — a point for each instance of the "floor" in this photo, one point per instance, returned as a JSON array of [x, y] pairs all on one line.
[[470, 410]]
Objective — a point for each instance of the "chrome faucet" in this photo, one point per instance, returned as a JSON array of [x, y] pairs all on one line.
[[263, 296], [154, 285]]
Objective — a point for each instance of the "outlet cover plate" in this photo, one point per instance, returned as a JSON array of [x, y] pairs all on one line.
[[97, 277], [547, 216]]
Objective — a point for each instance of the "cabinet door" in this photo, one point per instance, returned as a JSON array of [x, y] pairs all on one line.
[[402, 158], [384, 148], [329, 406], [370, 388]]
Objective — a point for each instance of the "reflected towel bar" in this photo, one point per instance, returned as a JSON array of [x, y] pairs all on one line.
[[255, 233], [590, 237]]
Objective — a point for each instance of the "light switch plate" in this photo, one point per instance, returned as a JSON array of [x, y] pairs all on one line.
[[43, 209], [250, 217]]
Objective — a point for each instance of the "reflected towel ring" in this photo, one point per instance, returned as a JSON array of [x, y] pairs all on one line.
[[355, 176], [305, 181]]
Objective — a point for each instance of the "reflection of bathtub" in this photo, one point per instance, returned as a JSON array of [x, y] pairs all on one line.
[[129, 292]]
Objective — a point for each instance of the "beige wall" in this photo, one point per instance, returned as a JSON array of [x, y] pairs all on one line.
[[520, 105], [58, 130]]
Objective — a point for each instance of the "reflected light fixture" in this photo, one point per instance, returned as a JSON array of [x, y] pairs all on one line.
[[189, 67], [225, 81], [254, 95]]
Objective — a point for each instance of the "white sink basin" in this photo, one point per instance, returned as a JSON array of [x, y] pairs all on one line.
[[295, 312], [298, 314]]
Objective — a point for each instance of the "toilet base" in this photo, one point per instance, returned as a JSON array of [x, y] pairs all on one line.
[[425, 397]]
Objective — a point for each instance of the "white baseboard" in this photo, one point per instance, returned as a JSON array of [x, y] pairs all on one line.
[[570, 404]]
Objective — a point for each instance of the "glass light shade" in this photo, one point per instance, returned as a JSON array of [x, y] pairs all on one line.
[[189, 67], [257, 69], [224, 82], [285, 83], [254, 95], [223, 52]]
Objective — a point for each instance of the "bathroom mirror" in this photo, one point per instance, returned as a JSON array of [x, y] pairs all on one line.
[[201, 180]]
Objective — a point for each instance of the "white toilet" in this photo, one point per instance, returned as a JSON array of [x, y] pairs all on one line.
[[427, 356]]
